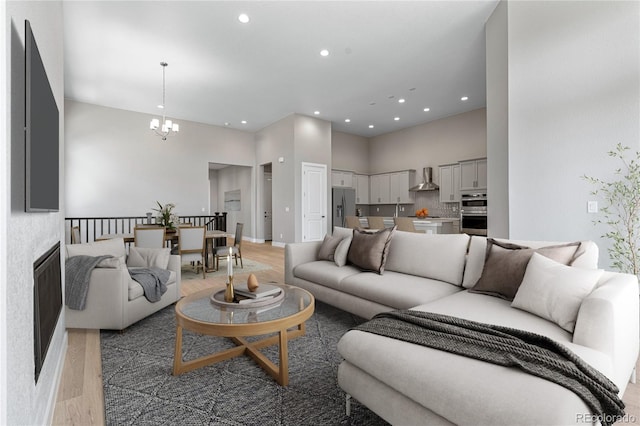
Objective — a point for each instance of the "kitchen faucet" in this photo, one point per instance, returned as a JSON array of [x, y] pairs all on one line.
[[397, 209]]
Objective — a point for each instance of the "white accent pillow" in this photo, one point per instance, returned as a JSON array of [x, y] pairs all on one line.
[[148, 257], [555, 291]]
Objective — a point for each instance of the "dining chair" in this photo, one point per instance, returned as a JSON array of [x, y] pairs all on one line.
[[75, 235], [352, 222], [236, 248], [191, 246], [406, 224], [149, 237], [376, 222]]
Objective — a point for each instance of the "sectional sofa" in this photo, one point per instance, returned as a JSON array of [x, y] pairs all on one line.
[[591, 312]]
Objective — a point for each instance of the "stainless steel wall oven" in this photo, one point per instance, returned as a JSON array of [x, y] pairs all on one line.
[[473, 213]]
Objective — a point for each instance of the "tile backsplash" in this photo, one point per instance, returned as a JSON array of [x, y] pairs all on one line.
[[428, 199]]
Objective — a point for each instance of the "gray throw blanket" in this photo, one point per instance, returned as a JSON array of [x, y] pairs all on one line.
[[153, 281], [530, 352], [77, 274]]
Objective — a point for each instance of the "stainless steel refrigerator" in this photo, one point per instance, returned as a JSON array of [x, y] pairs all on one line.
[[343, 204]]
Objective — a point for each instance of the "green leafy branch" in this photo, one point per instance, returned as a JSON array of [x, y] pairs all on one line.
[[622, 210]]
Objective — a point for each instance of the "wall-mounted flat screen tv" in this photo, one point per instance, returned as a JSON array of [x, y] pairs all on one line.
[[41, 133]]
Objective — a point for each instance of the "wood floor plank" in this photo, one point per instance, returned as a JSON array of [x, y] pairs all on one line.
[[80, 399]]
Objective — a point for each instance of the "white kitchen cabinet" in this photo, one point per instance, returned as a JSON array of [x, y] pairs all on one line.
[[379, 186], [473, 174], [361, 183], [399, 184], [449, 183], [341, 178]]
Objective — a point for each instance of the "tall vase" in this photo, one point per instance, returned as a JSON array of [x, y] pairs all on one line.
[[228, 293]]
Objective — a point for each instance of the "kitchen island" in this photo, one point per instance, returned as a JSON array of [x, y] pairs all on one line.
[[430, 225]]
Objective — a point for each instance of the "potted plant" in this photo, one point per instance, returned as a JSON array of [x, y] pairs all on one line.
[[622, 210], [166, 217]]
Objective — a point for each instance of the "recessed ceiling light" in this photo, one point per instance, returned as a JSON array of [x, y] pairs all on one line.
[[244, 121], [347, 120], [401, 100], [372, 103], [160, 106], [464, 98], [412, 89], [396, 118], [244, 18], [371, 126], [226, 123], [427, 109], [316, 112], [324, 52]]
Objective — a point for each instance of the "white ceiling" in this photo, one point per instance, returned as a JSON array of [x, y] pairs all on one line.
[[430, 53]]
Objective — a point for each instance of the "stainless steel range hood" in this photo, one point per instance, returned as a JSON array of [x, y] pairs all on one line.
[[427, 181]]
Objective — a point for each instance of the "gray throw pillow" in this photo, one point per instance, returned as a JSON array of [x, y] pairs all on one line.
[[342, 251], [328, 248], [368, 250], [505, 265]]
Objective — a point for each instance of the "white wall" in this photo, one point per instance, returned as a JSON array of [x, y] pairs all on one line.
[[349, 152], [574, 70], [448, 140], [273, 142], [312, 139], [117, 167], [27, 236], [497, 122]]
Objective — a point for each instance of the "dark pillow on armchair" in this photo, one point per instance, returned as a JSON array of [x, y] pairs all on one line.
[[505, 265], [368, 250]]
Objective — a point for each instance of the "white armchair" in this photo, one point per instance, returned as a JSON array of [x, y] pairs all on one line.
[[114, 300]]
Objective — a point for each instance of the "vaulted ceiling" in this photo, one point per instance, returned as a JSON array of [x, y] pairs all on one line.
[[222, 72]]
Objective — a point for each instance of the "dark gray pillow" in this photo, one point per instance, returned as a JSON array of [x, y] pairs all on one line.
[[328, 248], [368, 250], [505, 265]]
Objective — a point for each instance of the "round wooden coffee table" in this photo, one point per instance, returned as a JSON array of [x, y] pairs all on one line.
[[197, 313]]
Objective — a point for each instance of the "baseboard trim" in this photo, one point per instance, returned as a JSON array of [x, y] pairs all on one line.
[[278, 244]]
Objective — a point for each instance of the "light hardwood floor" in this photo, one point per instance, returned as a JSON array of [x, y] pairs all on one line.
[[80, 398]]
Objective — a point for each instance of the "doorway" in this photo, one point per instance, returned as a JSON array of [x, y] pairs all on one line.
[[267, 202], [314, 201]]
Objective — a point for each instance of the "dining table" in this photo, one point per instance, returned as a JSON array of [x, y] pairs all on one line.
[[210, 236]]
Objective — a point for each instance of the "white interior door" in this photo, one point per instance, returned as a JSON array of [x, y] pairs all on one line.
[[314, 201], [268, 221]]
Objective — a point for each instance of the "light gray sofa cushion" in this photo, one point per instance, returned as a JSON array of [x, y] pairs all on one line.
[[394, 289], [437, 256], [324, 272], [463, 390]]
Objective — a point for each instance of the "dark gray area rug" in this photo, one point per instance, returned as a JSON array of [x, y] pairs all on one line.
[[139, 388]]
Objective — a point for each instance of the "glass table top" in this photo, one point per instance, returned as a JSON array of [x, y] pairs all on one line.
[[203, 309]]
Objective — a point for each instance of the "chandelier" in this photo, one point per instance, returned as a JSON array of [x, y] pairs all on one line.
[[167, 125]]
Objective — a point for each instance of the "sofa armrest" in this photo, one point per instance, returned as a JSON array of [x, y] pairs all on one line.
[[175, 265], [106, 299], [608, 322], [298, 253]]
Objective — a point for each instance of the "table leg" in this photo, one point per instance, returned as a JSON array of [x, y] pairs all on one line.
[[283, 374], [177, 355]]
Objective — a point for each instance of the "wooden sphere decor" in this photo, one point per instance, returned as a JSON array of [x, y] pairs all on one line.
[[252, 283]]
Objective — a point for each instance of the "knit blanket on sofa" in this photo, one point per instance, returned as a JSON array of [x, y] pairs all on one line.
[[153, 281], [77, 273], [533, 353]]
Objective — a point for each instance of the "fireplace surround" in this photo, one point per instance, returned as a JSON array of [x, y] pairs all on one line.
[[47, 303]]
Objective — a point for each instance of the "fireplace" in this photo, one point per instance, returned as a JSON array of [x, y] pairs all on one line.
[[47, 303]]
